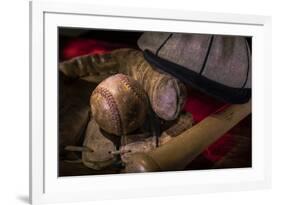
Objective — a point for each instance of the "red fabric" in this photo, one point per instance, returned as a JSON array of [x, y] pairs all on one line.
[[78, 47], [199, 105]]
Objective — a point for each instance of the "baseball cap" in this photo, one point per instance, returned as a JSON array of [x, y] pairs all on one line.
[[218, 65]]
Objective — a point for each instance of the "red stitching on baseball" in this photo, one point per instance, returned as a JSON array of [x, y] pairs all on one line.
[[136, 90], [112, 105]]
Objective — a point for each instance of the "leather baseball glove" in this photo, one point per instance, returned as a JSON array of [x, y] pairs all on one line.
[[101, 150], [166, 93]]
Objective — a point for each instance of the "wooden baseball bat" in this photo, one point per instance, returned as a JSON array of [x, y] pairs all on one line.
[[181, 150]]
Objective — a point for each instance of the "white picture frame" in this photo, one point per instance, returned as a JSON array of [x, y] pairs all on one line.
[[46, 186]]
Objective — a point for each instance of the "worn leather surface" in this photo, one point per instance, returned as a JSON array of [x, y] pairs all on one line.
[[101, 145], [135, 143], [166, 93]]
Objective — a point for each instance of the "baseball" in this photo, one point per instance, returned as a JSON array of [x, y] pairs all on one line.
[[119, 104]]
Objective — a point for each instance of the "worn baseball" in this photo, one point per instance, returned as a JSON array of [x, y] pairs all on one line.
[[119, 104]]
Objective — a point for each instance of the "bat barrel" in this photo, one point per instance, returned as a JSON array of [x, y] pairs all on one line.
[[181, 150]]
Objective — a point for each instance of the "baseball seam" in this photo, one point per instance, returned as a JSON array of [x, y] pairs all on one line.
[[105, 93], [136, 90]]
